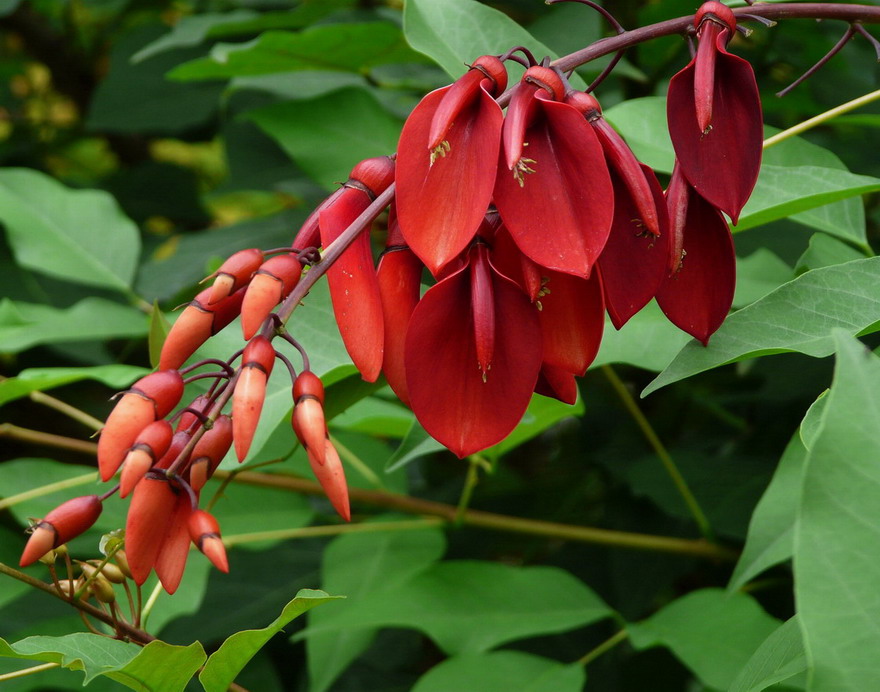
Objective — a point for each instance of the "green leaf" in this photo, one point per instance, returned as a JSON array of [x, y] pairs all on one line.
[[783, 191], [417, 443], [454, 33], [469, 606], [824, 251], [192, 30], [642, 123], [779, 658], [376, 416], [771, 530], [76, 235], [799, 316], [24, 325], [542, 414], [812, 422], [323, 138], [759, 274], [233, 655], [161, 666], [648, 341], [159, 328], [343, 47], [502, 671], [91, 653], [385, 561], [835, 570], [711, 632], [41, 379]]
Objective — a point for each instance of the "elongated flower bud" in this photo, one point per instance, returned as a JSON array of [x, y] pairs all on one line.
[[67, 521], [150, 445], [149, 516], [308, 415], [209, 452], [331, 476], [205, 533], [171, 559], [272, 283], [149, 399], [234, 273], [250, 391]]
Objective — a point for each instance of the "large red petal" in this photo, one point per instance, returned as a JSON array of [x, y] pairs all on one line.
[[697, 298], [560, 213], [572, 320], [354, 288], [722, 164], [557, 383], [633, 263], [440, 206], [446, 387], [171, 560]]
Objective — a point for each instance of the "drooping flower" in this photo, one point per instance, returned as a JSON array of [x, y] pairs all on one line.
[[553, 190], [447, 161], [473, 353], [714, 116]]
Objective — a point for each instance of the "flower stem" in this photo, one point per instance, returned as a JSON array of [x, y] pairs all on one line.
[[499, 522], [67, 410], [44, 438], [28, 671], [332, 530], [358, 463], [660, 450], [48, 489], [467, 492], [822, 118], [605, 646]]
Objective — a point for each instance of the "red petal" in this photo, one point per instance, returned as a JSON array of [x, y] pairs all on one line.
[[354, 288], [697, 298], [633, 264], [447, 391], [561, 214], [171, 560], [441, 206], [152, 506], [572, 320], [557, 383], [310, 427], [723, 164], [331, 476], [128, 418]]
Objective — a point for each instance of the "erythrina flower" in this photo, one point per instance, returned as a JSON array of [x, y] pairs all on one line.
[[553, 190], [473, 352], [447, 161], [67, 521], [714, 115]]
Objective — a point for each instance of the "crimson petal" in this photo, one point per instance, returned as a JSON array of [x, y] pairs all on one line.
[[697, 297], [721, 164], [446, 387], [572, 320], [441, 203], [560, 215]]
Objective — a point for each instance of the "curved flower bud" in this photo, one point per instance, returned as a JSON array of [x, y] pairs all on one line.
[[308, 414], [150, 446], [67, 521], [209, 452], [171, 560], [331, 476], [188, 419], [250, 391], [272, 283], [234, 273], [199, 320], [150, 398], [149, 517], [204, 531]]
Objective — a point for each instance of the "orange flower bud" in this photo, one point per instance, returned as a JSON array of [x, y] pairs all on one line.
[[67, 521]]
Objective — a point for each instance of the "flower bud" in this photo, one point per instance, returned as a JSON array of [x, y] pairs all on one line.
[[234, 273], [272, 283], [205, 533], [67, 521]]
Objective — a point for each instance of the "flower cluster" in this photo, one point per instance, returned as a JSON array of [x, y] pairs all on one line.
[[532, 225]]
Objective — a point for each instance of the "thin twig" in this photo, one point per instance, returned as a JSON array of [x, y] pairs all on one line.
[[850, 32], [67, 410]]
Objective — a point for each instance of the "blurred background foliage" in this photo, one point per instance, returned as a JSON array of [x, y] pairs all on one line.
[[208, 149]]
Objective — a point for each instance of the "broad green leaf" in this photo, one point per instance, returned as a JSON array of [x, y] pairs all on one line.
[[799, 316], [76, 235], [138, 98], [502, 671], [161, 666], [159, 328], [40, 379], [192, 30], [824, 251], [91, 653], [835, 569], [376, 416], [189, 595], [470, 606], [385, 561], [415, 444], [8, 6], [759, 274], [648, 341], [711, 632], [454, 33], [778, 659], [299, 86], [783, 191], [24, 325], [771, 530], [233, 655], [323, 138], [812, 422], [343, 47]]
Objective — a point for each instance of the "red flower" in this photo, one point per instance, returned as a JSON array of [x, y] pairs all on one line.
[[714, 115], [67, 521], [553, 190], [446, 163]]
